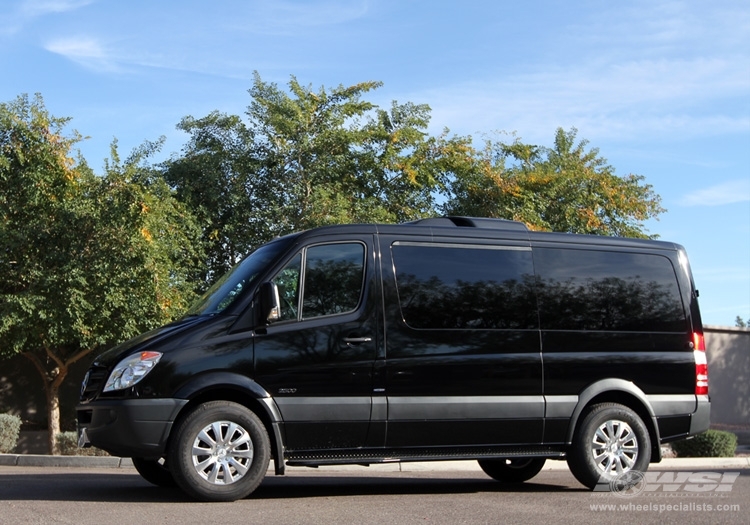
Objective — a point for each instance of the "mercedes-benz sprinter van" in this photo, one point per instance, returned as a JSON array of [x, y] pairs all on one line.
[[451, 338]]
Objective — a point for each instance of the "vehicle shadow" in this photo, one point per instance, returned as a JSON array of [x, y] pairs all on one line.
[[130, 487], [313, 486]]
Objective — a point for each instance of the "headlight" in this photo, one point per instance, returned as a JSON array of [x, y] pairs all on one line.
[[131, 370]]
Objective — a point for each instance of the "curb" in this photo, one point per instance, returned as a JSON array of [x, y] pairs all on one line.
[[38, 460]]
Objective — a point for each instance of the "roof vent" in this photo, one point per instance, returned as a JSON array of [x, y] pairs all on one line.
[[473, 222]]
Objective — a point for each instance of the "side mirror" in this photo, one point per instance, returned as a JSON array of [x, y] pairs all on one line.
[[270, 304]]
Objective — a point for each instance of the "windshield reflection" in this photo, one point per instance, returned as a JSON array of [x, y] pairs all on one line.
[[231, 285]]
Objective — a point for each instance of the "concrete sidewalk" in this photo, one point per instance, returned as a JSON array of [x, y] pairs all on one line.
[[38, 460]]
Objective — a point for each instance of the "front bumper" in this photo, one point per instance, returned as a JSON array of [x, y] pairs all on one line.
[[128, 427]]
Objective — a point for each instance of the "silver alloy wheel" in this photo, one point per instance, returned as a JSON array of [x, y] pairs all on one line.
[[614, 447], [222, 452]]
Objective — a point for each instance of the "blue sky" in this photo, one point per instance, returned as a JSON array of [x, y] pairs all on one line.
[[662, 88]]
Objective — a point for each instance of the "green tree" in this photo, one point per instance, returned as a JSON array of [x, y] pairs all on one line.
[[739, 322], [306, 158], [85, 261], [218, 177], [565, 188], [311, 146]]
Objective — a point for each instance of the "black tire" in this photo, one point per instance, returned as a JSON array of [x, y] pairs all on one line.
[[515, 470], [220, 452], [154, 471], [610, 441]]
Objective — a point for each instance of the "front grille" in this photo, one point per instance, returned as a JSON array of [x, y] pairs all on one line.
[[93, 383]]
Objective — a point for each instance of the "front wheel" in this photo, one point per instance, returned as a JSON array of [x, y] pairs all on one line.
[[220, 452], [610, 441], [516, 470]]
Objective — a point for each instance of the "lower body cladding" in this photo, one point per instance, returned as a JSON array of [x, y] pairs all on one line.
[[680, 416], [406, 421], [674, 416], [129, 427], [365, 430], [445, 421], [140, 428], [438, 421]]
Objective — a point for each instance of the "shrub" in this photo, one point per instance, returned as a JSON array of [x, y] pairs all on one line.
[[10, 426], [67, 444], [709, 444]]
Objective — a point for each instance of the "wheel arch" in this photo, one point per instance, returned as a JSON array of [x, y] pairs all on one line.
[[624, 393], [228, 386]]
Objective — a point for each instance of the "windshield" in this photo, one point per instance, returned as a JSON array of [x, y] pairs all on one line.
[[230, 286]]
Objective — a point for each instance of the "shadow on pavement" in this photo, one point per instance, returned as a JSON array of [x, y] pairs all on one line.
[[127, 487]]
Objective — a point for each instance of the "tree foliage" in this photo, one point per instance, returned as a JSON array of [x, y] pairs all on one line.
[[305, 158], [566, 188], [216, 177], [85, 261]]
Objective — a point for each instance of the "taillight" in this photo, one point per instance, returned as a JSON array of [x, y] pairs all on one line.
[[701, 364]]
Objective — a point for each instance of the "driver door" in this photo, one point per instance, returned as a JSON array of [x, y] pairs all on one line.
[[317, 359]]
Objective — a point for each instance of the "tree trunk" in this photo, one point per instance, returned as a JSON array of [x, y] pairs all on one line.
[[52, 380], [53, 404], [52, 389]]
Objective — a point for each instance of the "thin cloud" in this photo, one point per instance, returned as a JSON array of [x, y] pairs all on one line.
[[730, 192], [85, 51], [91, 53], [618, 101], [635, 71], [662, 28], [34, 8], [281, 17], [14, 20], [238, 25]]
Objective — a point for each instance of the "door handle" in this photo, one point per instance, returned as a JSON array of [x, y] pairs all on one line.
[[353, 341]]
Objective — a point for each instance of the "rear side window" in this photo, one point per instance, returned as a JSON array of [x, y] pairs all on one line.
[[331, 282], [601, 290], [465, 287]]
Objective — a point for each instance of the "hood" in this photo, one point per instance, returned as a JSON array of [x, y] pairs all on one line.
[[147, 340]]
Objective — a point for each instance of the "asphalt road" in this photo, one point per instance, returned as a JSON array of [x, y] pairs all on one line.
[[83, 496]]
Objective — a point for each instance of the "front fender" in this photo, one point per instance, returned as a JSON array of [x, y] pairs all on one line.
[[219, 380], [244, 386]]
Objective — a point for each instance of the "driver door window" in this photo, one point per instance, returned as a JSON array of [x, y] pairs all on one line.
[[331, 283]]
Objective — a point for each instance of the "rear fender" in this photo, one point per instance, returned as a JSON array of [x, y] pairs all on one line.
[[623, 392]]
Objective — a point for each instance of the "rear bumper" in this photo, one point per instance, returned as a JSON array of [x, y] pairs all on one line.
[[129, 427], [701, 418]]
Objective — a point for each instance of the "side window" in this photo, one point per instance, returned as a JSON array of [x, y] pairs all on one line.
[[334, 274], [603, 290], [288, 281], [331, 283], [465, 287]]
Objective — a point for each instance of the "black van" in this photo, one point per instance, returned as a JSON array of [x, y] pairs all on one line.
[[442, 339]]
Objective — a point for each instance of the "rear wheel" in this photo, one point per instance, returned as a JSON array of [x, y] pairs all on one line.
[[154, 471], [610, 441], [220, 452], [516, 470]]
